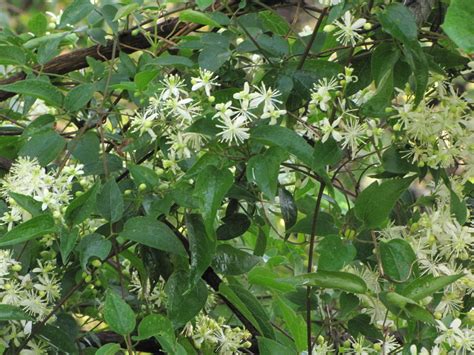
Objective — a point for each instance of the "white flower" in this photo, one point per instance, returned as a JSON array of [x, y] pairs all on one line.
[[233, 130], [245, 96], [266, 96], [353, 134], [205, 81], [328, 129], [182, 108], [143, 122], [449, 335], [173, 87], [329, 2], [347, 29], [321, 93], [179, 146], [273, 114]]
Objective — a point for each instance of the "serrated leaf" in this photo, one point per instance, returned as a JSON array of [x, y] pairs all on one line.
[[118, 314], [35, 227]]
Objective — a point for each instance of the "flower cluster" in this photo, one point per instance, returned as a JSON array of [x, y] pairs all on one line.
[[207, 333], [51, 189]]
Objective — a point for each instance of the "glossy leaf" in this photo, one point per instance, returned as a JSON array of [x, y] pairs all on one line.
[[234, 226], [295, 323], [457, 26], [232, 261], [202, 246], [93, 245], [289, 211], [152, 233], [265, 277], [82, 206], [334, 253], [35, 227], [9, 312], [75, 12], [373, 205], [333, 279], [428, 285], [398, 259], [198, 17]]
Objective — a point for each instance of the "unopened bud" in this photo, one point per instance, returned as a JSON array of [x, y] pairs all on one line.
[[211, 99], [16, 267], [96, 263], [329, 28], [142, 187], [367, 26]]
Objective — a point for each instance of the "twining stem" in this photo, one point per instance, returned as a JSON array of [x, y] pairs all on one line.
[[310, 264], [312, 39]]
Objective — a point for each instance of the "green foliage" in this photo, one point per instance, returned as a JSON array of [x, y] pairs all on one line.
[[210, 177]]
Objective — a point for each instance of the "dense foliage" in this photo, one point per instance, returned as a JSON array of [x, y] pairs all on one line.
[[224, 177]]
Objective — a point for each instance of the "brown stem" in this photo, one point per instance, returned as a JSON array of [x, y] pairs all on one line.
[[312, 39]]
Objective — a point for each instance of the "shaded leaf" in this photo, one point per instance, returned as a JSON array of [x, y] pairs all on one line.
[[118, 314]]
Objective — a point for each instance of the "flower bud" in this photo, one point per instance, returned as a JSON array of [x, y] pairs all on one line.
[[127, 192], [377, 347], [88, 278], [437, 315], [320, 339], [135, 32], [142, 187], [96, 263], [211, 99], [16, 267], [329, 28], [367, 26]]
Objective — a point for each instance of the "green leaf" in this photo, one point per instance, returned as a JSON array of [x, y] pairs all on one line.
[[173, 60], [374, 204], [286, 139], [404, 307], [38, 24], [82, 206], [67, 242], [203, 4], [211, 186], [160, 327], [333, 279], [152, 233], [93, 245], [9, 312], [234, 226], [108, 349], [28, 203], [184, 302], [75, 12], [231, 261], [11, 55], [274, 23], [334, 253], [398, 259], [144, 175], [44, 146], [249, 306], [295, 323], [327, 153], [202, 246], [78, 97], [198, 17], [58, 338], [393, 162], [362, 324], [35, 227], [36, 88], [86, 149], [271, 347], [213, 57], [264, 277], [263, 169], [427, 285], [118, 314], [143, 78], [398, 21], [457, 24], [458, 207], [289, 210], [126, 10], [110, 201]]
